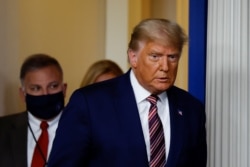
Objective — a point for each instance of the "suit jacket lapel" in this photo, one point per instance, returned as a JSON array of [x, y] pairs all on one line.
[[176, 123], [129, 118], [18, 135]]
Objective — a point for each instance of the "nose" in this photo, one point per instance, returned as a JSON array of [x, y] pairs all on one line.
[[45, 92], [164, 63]]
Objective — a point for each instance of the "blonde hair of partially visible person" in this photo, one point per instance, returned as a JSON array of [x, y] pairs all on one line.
[[99, 68]]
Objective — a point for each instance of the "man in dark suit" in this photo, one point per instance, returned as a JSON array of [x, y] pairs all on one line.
[[138, 119], [43, 91]]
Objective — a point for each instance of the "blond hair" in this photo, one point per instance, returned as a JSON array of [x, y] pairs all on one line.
[[98, 68]]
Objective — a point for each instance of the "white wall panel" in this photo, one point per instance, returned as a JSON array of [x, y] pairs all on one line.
[[228, 83]]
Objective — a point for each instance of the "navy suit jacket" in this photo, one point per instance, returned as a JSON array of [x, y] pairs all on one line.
[[101, 127], [13, 140]]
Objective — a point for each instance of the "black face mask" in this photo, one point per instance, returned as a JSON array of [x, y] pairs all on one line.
[[45, 106]]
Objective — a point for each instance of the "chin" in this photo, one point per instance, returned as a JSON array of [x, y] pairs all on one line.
[[164, 86]]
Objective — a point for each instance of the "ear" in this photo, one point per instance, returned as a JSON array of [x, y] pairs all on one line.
[[132, 55], [64, 89], [22, 94]]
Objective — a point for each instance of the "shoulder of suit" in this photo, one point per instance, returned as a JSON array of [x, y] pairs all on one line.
[[16, 117], [181, 94]]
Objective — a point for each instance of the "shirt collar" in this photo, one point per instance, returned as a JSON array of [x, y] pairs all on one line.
[[35, 123]]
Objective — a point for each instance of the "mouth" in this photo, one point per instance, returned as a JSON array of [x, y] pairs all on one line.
[[163, 79]]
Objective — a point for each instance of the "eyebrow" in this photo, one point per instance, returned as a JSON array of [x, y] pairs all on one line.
[[155, 52], [33, 85], [50, 83], [54, 82]]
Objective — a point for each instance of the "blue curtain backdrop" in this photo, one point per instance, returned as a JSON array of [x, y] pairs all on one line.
[[197, 48]]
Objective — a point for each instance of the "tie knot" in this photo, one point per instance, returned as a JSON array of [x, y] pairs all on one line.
[[44, 125], [152, 99]]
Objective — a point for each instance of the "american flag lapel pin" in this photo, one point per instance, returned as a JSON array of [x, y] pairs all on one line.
[[180, 113]]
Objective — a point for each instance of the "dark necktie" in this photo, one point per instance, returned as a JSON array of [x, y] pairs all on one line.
[[41, 149], [157, 143]]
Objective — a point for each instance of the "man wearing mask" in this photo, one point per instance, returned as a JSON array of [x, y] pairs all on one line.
[[26, 138]]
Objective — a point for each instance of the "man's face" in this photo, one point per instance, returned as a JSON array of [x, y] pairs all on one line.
[[155, 66], [47, 80]]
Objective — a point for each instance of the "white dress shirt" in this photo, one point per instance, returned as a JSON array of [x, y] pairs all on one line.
[[35, 126], [143, 106]]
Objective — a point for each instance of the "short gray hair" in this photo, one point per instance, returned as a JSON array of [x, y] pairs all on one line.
[[161, 30]]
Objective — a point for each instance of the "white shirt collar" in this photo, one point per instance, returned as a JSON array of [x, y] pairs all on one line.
[[35, 123]]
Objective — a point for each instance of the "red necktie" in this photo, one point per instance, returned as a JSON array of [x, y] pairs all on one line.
[[41, 149], [157, 142]]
